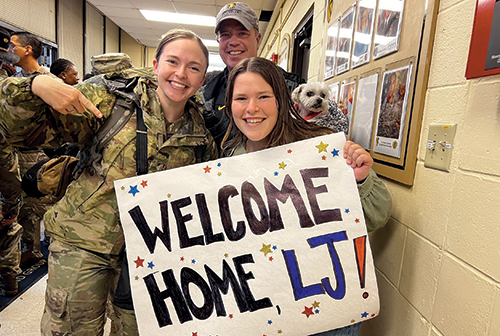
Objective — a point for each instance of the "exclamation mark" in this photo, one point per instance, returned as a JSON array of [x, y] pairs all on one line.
[[360, 249]]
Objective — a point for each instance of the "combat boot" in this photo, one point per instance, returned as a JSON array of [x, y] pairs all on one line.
[[10, 284]]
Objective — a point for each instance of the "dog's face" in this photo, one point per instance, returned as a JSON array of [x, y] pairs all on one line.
[[311, 97]]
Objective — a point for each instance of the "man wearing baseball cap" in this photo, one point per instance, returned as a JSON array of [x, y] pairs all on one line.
[[10, 191], [237, 31]]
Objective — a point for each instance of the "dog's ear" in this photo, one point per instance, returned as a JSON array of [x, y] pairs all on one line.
[[297, 91]]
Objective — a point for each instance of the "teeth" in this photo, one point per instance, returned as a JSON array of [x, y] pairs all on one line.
[[254, 121], [235, 52], [179, 85]]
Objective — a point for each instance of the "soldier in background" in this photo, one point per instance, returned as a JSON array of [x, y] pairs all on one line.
[[10, 186]]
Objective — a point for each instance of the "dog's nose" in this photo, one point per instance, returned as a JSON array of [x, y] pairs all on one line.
[[319, 100]]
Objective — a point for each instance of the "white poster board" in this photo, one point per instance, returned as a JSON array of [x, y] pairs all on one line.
[[362, 124], [267, 243]]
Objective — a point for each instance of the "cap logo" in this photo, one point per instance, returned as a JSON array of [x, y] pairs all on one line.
[[231, 5], [6, 40]]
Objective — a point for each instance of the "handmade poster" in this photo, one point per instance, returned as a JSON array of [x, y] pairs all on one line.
[[334, 92], [346, 102], [392, 111], [363, 32], [362, 124], [343, 54], [386, 39], [331, 48], [268, 243]]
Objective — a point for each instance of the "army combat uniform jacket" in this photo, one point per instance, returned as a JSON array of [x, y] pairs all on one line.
[[87, 215]]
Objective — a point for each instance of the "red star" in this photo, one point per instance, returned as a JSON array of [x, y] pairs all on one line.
[[195, 334], [271, 258], [231, 316], [323, 158], [289, 151], [207, 169], [139, 262], [182, 258], [373, 315], [308, 311], [357, 220], [144, 184]]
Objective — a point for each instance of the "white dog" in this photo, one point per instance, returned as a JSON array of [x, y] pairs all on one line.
[[313, 104], [311, 100]]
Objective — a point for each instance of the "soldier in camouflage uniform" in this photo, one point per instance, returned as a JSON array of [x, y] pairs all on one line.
[[84, 225], [10, 187]]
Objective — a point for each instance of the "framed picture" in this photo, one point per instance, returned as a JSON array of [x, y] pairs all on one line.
[[346, 101], [389, 18], [343, 54], [363, 32], [284, 51], [331, 48]]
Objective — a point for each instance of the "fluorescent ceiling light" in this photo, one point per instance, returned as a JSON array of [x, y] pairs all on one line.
[[188, 19], [210, 43]]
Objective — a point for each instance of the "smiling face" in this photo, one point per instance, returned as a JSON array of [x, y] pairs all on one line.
[[254, 109], [236, 42], [181, 70]]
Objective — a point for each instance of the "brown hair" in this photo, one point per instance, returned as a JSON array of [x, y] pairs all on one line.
[[290, 126], [177, 34]]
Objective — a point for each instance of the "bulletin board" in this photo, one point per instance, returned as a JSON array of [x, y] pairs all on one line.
[[404, 59]]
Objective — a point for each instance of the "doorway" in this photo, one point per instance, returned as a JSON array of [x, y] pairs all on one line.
[[302, 46]]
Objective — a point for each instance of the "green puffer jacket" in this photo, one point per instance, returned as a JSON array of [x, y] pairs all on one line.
[[87, 215]]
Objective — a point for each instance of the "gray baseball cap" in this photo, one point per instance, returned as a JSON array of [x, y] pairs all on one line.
[[240, 12]]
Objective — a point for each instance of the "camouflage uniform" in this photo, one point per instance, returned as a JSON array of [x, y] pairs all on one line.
[[84, 224]]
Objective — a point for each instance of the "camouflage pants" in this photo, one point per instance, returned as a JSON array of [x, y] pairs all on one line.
[[10, 251], [78, 287]]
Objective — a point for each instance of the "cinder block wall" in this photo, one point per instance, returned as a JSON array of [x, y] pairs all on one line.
[[438, 260]]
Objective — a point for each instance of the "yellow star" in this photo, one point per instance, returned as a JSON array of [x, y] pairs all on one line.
[[136, 277], [169, 195], [226, 255], [123, 188], [282, 165], [321, 147], [219, 174], [315, 304], [280, 331], [266, 249], [352, 321]]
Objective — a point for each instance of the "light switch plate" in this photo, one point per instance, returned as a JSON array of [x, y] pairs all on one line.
[[440, 146]]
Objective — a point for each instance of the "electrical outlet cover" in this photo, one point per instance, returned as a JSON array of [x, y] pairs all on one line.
[[440, 146]]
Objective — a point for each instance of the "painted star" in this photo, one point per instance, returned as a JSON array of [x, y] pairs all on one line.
[[182, 258], [169, 195], [207, 169], [282, 165], [315, 304], [123, 188], [144, 183], [271, 258], [352, 321], [139, 262], [219, 164], [335, 152], [275, 173], [133, 190], [308, 311], [151, 265], [195, 334], [269, 322], [356, 220], [231, 316], [323, 158], [219, 174], [136, 277], [280, 331], [321, 147], [316, 311], [275, 247], [289, 151], [226, 255], [347, 210], [193, 261], [365, 314], [266, 249]]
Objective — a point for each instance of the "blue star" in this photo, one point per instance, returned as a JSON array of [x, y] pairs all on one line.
[[193, 261], [335, 152], [219, 164], [275, 173], [269, 322], [365, 314], [317, 311], [347, 210], [275, 247], [133, 190], [151, 265]]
